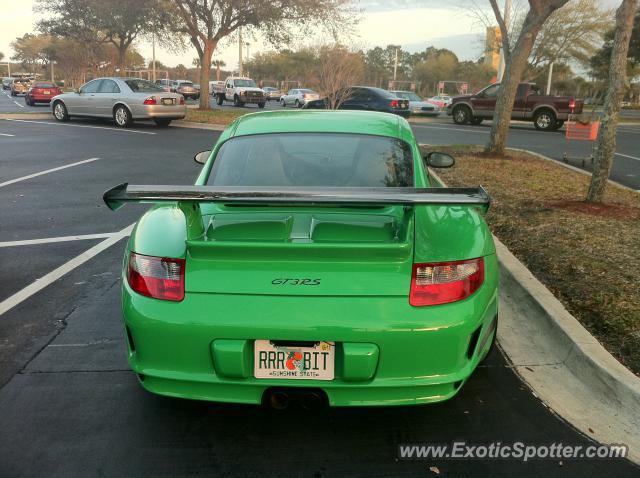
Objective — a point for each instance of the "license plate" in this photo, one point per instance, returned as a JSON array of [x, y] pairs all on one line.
[[314, 362], [47, 92], [167, 101]]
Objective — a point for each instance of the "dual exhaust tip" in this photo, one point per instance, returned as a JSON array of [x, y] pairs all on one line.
[[281, 399]]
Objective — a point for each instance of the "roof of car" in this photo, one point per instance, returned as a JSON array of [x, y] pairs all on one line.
[[322, 121]]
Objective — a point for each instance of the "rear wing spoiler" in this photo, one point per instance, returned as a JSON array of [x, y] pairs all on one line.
[[117, 196]]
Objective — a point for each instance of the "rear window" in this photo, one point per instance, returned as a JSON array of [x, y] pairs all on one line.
[[142, 86], [313, 159], [43, 85]]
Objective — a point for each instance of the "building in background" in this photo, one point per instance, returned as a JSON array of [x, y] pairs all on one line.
[[493, 43]]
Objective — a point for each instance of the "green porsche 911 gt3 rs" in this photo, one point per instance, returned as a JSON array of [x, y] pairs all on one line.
[[313, 259]]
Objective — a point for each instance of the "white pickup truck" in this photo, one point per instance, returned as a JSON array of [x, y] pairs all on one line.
[[241, 91]]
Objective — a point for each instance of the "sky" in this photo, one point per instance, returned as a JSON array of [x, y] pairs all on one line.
[[413, 24]]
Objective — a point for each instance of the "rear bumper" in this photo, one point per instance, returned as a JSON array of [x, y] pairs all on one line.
[[387, 352], [159, 111], [41, 98]]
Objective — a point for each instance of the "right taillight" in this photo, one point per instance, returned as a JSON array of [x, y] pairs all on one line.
[[444, 282], [572, 104], [157, 277]]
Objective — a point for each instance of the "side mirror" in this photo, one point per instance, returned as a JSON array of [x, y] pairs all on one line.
[[436, 159], [202, 156]]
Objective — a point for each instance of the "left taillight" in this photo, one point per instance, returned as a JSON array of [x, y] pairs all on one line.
[[394, 103], [157, 277], [181, 99], [150, 101], [444, 282]]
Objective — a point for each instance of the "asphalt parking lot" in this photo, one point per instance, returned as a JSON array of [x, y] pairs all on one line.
[[69, 406], [441, 130]]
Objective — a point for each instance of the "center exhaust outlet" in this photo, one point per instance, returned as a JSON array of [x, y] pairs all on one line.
[[279, 400]]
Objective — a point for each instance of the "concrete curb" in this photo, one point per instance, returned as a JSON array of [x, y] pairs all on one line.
[[562, 363]]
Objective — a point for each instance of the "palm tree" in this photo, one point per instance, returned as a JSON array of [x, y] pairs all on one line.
[[218, 64]]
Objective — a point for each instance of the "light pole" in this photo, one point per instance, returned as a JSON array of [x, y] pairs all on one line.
[[395, 66], [153, 61], [549, 78], [239, 51]]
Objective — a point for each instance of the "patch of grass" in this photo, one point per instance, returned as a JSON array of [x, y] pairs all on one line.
[[223, 117], [587, 255]]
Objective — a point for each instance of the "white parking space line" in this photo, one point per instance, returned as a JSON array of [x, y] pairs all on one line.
[[5, 134], [39, 284], [469, 130], [21, 106], [627, 156], [119, 130], [49, 240], [12, 181]]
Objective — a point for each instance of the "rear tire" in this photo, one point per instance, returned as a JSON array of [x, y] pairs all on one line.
[[544, 120], [476, 120], [219, 100], [283, 103], [237, 102], [461, 114], [559, 124], [298, 105], [162, 122], [60, 111], [122, 116], [27, 101], [261, 105]]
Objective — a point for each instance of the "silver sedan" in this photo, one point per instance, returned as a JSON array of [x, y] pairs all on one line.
[[122, 99]]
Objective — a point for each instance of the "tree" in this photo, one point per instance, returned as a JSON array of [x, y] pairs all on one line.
[[115, 22], [338, 69], [600, 61], [572, 32], [1, 56], [515, 64], [218, 64], [207, 22], [618, 83], [31, 51]]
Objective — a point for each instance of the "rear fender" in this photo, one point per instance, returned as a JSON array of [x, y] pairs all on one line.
[[451, 233]]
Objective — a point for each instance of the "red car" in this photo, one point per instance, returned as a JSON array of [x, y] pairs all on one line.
[[41, 92]]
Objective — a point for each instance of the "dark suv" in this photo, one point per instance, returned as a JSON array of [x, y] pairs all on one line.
[[367, 98]]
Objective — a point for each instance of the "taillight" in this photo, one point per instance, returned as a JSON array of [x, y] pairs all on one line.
[[572, 104], [394, 103], [181, 99], [304, 96], [157, 277], [150, 101], [444, 282]]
